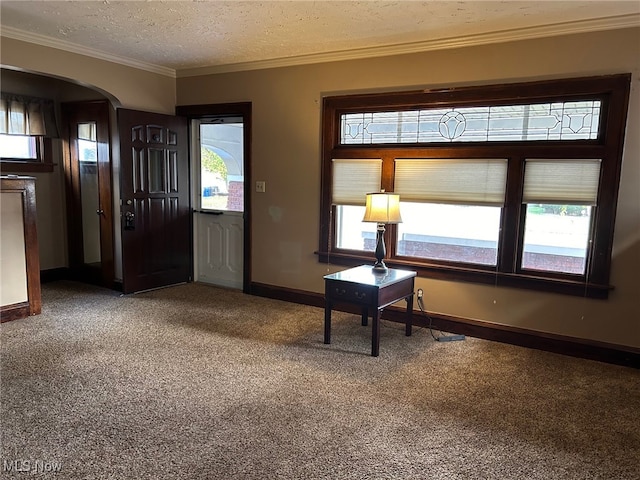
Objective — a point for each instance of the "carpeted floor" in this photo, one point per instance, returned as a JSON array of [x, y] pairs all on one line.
[[195, 382]]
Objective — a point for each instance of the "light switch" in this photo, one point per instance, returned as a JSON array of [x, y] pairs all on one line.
[[261, 186]]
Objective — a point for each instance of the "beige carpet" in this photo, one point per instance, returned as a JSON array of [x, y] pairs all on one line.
[[195, 382]]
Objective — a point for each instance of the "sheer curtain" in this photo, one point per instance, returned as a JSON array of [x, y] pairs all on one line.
[[22, 115]]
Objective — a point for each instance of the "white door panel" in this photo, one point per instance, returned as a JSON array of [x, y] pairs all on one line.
[[220, 252]]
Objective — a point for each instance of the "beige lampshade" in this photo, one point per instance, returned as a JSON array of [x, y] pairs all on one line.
[[382, 208]]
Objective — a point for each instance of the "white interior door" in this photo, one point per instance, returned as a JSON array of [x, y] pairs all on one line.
[[218, 153]]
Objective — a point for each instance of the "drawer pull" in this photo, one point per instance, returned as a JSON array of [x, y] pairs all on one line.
[[361, 295], [340, 291]]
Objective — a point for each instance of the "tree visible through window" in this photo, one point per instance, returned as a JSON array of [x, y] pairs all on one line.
[[214, 180]]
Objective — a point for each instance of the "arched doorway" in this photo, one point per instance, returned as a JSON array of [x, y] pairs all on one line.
[[75, 222]]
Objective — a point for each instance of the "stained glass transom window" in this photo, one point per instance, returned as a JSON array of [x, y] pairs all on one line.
[[577, 120]]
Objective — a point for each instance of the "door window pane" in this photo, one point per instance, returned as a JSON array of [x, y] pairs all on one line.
[[89, 191], [222, 165], [556, 238], [456, 233]]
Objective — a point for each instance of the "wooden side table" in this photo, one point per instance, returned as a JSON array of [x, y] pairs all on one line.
[[371, 292]]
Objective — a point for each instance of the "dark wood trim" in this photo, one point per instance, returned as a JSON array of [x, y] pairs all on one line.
[[64, 273], [43, 165], [54, 274], [508, 250], [497, 94], [561, 344], [565, 345], [14, 312], [213, 109], [26, 167], [473, 274], [31, 246], [74, 113], [243, 109], [617, 106], [71, 175], [291, 295]]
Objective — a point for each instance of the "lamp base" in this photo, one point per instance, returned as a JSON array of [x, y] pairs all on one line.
[[380, 267]]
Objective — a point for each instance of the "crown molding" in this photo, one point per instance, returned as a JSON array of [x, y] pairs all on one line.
[[566, 28], [45, 41]]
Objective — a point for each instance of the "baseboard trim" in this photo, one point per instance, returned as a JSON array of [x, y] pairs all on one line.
[[571, 346], [65, 273], [14, 312], [54, 274]]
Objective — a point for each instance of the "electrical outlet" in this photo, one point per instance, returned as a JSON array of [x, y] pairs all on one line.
[[420, 293]]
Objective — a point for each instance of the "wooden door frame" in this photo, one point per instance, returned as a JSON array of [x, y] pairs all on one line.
[[99, 111], [243, 109]]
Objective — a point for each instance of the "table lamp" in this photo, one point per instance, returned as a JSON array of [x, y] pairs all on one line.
[[382, 208]]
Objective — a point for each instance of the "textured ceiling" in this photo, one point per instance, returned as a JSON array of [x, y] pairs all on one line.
[[191, 34]]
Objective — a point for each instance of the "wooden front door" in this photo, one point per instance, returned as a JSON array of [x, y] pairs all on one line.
[[155, 210]]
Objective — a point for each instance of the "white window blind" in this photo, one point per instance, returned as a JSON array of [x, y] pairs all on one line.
[[353, 179], [445, 180], [21, 116], [573, 182]]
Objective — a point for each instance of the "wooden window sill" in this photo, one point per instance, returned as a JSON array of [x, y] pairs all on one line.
[[26, 167]]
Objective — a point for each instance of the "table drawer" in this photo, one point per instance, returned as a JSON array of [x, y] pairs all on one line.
[[350, 292]]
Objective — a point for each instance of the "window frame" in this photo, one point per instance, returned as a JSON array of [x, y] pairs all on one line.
[[42, 163], [612, 90]]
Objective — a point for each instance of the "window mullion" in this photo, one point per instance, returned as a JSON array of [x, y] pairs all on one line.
[[387, 182], [391, 240], [510, 241]]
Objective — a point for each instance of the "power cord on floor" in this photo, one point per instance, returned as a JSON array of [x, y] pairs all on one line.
[[442, 337]]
